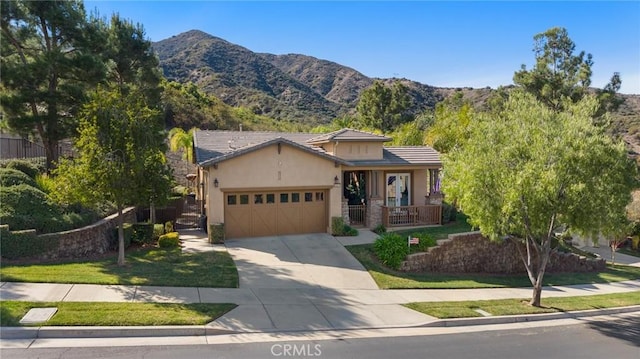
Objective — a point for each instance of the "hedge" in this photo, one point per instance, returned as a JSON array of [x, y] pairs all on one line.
[[142, 233], [13, 177], [26, 207], [26, 243], [169, 240], [27, 167]]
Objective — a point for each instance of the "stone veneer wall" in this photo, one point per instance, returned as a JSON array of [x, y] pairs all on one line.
[[473, 253], [374, 212], [345, 211], [90, 240]]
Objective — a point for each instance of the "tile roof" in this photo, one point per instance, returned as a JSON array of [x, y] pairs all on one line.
[[347, 134], [215, 146], [403, 156]]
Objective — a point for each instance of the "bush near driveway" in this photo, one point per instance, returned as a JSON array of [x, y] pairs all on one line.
[[392, 248]]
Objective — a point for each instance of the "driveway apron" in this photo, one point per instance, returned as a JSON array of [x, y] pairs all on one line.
[[306, 282], [297, 261]]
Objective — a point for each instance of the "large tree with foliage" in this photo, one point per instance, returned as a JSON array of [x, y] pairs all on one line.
[[121, 150], [130, 58], [528, 170], [48, 61], [452, 123], [384, 107], [560, 74]]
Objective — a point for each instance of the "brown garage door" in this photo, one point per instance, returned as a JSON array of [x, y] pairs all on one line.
[[267, 213]]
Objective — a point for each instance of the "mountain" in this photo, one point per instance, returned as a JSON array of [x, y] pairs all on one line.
[[305, 89], [240, 77]]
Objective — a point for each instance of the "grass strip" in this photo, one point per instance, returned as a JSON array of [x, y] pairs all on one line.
[[387, 278], [116, 314], [158, 267], [465, 309]]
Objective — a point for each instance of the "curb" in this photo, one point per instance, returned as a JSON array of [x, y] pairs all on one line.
[[109, 332], [203, 330], [523, 318]]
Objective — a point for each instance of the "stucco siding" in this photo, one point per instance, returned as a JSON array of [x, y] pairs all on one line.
[[358, 150], [267, 168]]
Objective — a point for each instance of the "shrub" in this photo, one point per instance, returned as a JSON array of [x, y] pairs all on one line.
[[127, 228], [45, 183], [337, 225], [426, 241], [168, 227], [379, 229], [169, 240], [216, 233], [23, 244], [13, 177], [27, 167], [350, 231], [26, 207], [142, 233], [158, 230], [391, 249], [449, 213], [340, 229]]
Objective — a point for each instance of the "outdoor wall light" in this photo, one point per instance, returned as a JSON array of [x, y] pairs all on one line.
[[336, 180], [216, 183]]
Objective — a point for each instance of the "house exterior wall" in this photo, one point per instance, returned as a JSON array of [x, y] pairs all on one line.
[[266, 168], [356, 150]]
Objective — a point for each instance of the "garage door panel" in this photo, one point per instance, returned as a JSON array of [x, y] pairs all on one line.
[[272, 213]]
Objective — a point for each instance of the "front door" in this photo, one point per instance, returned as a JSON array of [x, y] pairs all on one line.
[[398, 189]]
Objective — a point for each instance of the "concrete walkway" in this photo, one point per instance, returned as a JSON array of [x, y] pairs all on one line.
[[311, 300]]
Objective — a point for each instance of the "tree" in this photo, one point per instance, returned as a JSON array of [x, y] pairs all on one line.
[[181, 140], [384, 107], [120, 145], [130, 58], [452, 124], [528, 169], [47, 63], [559, 74]]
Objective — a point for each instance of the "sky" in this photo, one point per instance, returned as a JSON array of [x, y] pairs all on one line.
[[444, 44]]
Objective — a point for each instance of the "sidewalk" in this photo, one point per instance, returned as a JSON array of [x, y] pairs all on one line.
[[293, 309]]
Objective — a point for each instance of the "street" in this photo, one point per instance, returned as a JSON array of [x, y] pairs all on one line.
[[618, 338]]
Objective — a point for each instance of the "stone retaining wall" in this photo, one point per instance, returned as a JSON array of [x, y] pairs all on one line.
[[472, 253], [86, 241]]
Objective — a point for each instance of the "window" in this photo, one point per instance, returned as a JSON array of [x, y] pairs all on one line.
[[231, 199], [244, 199], [284, 197], [319, 196], [271, 198], [434, 181], [308, 197], [295, 197], [257, 199], [398, 189]]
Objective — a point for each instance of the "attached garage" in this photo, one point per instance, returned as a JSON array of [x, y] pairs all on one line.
[[275, 212]]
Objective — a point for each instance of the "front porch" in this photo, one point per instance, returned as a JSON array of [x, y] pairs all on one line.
[[411, 215], [392, 198]]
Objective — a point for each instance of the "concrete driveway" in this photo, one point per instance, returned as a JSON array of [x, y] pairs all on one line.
[[297, 261]]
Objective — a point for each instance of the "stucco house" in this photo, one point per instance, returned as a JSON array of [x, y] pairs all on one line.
[[271, 183]]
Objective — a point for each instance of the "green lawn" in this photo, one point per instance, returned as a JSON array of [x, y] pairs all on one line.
[[116, 314], [520, 306], [144, 267], [389, 279]]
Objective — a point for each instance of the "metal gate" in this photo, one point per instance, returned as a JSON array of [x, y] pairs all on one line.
[[191, 216]]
